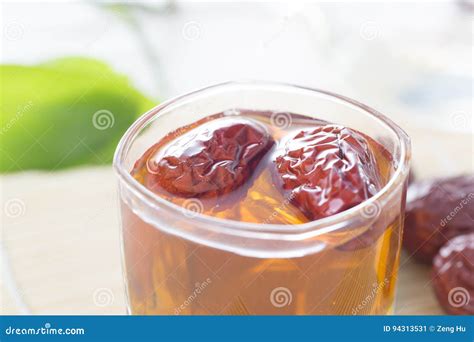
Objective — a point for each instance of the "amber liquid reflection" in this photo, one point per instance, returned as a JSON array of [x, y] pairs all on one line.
[[169, 275]]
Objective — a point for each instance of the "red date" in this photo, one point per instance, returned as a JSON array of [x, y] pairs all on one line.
[[210, 160], [437, 211], [453, 275], [326, 170]]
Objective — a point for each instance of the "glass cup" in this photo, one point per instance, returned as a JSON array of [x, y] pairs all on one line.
[[179, 261]]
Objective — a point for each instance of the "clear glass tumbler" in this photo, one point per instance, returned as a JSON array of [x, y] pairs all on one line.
[[176, 263]]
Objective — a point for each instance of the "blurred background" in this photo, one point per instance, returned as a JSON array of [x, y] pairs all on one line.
[[75, 75]]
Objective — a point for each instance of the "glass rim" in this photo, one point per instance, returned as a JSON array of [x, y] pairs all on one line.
[[323, 225]]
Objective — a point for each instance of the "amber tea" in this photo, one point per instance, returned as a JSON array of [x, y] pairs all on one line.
[[266, 169]]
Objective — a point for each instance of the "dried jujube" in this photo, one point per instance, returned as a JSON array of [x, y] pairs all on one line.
[[209, 160], [453, 275], [437, 211], [326, 169]]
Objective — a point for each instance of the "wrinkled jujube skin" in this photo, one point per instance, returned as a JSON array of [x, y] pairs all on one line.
[[318, 168], [453, 275], [438, 210], [211, 159], [326, 169]]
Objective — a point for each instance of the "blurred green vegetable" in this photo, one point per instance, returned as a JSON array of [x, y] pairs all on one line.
[[63, 113]]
